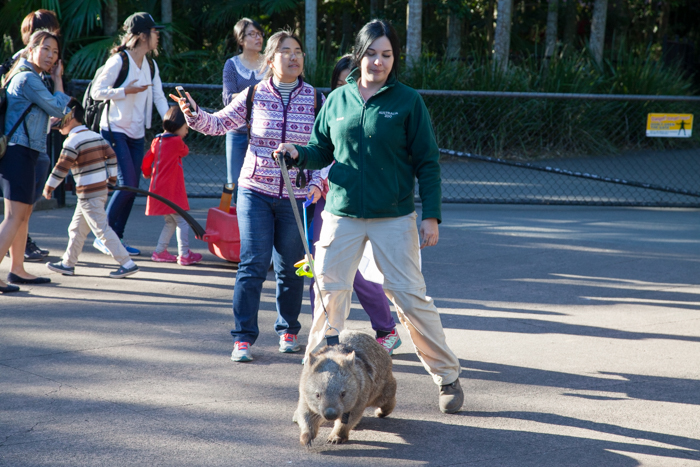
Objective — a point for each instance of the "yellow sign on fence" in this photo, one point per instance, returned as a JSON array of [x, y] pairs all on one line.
[[670, 125]]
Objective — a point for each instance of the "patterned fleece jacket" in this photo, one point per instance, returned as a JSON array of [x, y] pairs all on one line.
[[272, 124], [91, 160]]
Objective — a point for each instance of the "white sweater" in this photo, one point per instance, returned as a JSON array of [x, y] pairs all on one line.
[[129, 114]]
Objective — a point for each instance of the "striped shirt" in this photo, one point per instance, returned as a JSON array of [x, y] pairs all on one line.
[[91, 160], [285, 89]]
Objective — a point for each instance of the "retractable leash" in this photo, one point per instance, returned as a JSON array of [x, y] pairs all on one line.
[[330, 340]]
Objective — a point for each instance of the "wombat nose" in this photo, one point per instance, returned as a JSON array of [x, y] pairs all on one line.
[[330, 414]]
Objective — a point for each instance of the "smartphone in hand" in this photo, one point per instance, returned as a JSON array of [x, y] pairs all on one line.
[[180, 91]]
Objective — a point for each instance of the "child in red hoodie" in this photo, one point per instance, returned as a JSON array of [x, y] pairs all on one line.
[[163, 165]]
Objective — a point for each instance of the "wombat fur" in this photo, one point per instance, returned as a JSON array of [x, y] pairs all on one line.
[[338, 382]]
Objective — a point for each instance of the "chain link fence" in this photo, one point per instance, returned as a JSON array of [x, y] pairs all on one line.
[[522, 148]]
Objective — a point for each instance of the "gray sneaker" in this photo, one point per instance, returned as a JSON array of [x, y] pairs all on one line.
[[289, 343], [123, 272], [241, 352], [59, 267], [451, 397]]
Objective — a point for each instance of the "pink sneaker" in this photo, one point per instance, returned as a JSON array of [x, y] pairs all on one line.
[[390, 342], [189, 258], [163, 257]]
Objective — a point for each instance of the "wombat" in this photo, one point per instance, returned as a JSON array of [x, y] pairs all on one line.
[[338, 382]]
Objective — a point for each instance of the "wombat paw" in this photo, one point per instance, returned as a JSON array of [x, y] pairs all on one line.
[[305, 439], [336, 439]]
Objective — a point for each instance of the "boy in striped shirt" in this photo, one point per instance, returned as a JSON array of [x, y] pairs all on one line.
[[94, 164]]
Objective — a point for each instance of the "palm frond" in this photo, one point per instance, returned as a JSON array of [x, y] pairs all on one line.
[[80, 16], [85, 61], [279, 6]]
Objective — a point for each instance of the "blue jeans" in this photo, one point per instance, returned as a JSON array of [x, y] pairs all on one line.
[[236, 147], [130, 153], [268, 229]]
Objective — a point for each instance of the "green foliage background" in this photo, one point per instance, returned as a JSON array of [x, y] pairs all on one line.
[[202, 40]]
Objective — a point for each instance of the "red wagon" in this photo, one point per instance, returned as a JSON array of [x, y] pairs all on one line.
[[221, 233]]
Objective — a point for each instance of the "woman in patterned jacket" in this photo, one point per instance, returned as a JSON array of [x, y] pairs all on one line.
[[283, 111]]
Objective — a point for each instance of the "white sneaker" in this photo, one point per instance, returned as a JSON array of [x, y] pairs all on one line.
[[289, 343], [241, 352]]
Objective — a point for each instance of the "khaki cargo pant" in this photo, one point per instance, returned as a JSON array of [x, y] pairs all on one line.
[[396, 251], [89, 216]]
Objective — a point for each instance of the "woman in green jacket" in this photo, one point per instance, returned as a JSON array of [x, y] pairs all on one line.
[[378, 132]]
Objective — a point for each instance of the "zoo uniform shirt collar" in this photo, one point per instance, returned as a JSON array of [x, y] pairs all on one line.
[[353, 79]]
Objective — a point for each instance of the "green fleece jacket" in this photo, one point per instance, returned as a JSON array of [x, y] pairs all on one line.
[[380, 147]]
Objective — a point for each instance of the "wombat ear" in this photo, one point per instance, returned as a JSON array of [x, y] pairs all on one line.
[[310, 361], [350, 359]]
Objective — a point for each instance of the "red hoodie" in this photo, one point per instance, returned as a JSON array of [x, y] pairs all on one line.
[[163, 163]]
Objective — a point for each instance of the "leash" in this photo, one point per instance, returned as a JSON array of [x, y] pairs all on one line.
[[196, 227], [330, 340]]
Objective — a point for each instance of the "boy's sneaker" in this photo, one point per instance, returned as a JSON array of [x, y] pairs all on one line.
[[130, 249], [390, 342], [189, 258], [289, 343], [100, 246], [59, 267], [163, 257], [31, 250], [123, 272], [241, 352]]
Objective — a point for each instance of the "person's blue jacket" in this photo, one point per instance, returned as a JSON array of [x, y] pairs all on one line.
[[27, 88]]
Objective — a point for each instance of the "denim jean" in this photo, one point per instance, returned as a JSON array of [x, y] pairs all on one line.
[[41, 173], [268, 229], [130, 153], [236, 147]]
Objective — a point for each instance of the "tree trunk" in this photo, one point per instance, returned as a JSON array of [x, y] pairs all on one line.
[[373, 9], [570, 23], [311, 17], [488, 18], [414, 15], [552, 23], [109, 15], [454, 36], [166, 11], [501, 46], [597, 42]]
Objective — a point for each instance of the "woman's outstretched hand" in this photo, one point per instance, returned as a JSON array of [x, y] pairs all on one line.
[[429, 232], [186, 105]]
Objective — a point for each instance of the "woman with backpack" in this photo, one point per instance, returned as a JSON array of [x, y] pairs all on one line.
[[39, 19], [123, 124], [242, 70], [283, 109], [29, 105]]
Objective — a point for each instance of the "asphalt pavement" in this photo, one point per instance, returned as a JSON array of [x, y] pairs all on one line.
[[578, 329]]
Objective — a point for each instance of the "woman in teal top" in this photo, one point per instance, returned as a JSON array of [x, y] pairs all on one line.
[[378, 132]]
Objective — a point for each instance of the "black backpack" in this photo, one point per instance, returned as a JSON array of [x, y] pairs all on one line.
[[94, 108]]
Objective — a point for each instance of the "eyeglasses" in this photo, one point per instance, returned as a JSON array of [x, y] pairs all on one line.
[[289, 54], [255, 35]]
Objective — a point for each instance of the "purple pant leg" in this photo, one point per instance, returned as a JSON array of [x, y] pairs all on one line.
[[370, 294]]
